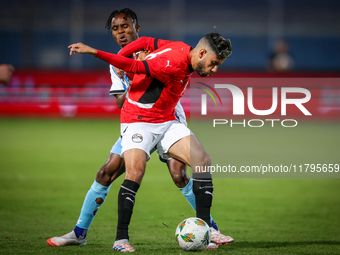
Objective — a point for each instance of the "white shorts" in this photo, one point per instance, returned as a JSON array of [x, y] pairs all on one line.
[[146, 136]]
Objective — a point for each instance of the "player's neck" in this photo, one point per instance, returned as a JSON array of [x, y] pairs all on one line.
[[193, 57]]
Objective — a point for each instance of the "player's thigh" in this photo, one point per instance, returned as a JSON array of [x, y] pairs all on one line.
[[138, 139], [180, 150], [176, 133], [114, 163], [190, 151], [117, 147], [143, 136]]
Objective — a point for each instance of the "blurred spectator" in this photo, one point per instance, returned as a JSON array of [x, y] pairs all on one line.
[[6, 71], [280, 60]]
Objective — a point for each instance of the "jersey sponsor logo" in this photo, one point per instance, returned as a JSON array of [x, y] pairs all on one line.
[[137, 138], [168, 64], [153, 55]]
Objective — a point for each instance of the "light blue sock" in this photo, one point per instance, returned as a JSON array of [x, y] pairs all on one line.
[[190, 196], [90, 206]]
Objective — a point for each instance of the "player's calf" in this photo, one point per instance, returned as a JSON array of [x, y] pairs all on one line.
[[203, 190], [126, 201]]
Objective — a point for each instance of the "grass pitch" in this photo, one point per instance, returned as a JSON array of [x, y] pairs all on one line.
[[47, 166]]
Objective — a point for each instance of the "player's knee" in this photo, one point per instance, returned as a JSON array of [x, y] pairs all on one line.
[[200, 159], [111, 170], [104, 175], [135, 172], [180, 179], [136, 176], [206, 160], [139, 174]]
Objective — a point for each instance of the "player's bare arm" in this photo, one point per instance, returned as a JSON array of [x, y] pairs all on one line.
[[127, 64], [120, 99]]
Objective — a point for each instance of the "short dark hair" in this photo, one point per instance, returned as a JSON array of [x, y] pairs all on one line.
[[127, 11], [220, 46]]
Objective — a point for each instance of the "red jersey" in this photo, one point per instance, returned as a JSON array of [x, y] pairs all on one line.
[[153, 96]]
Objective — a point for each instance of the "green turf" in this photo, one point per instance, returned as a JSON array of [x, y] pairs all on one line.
[[47, 166]]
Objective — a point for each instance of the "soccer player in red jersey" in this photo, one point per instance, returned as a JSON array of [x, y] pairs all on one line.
[[148, 116], [124, 27]]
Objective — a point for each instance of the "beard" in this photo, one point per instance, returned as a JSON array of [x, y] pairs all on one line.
[[199, 70]]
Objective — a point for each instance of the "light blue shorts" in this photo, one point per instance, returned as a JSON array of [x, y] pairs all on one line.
[[117, 147]]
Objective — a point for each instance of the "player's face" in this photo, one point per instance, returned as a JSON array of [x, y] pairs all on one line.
[[124, 30], [208, 65]]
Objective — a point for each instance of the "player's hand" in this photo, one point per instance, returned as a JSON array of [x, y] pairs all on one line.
[[120, 72], [6, 71], [81, 48], [141, 56]]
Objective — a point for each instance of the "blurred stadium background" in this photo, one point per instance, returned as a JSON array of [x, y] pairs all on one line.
[[35, 33]]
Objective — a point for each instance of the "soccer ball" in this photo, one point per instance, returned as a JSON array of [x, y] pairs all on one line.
[[193, 234]]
